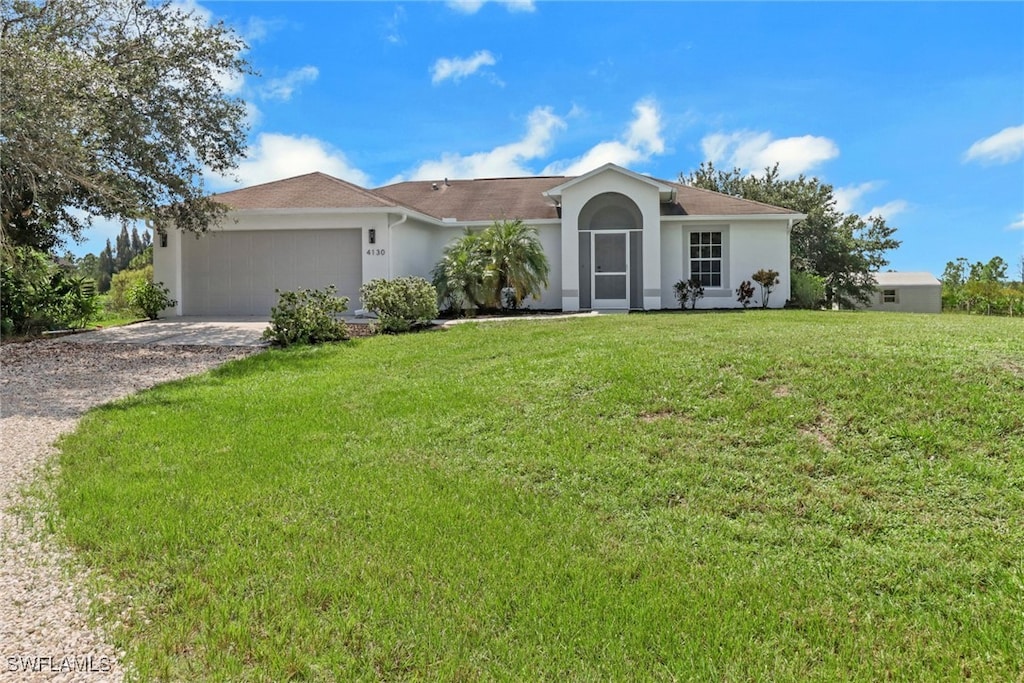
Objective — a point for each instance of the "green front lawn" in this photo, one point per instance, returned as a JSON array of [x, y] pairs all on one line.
[[731, 496]]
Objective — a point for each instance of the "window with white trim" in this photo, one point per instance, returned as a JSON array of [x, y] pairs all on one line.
[[889, 296], [706, 258]]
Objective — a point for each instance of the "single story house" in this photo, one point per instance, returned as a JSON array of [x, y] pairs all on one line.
[[615, 239], [907, 293]]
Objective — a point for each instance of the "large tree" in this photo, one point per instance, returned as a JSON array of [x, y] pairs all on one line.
[[112, 108], [844, 249]]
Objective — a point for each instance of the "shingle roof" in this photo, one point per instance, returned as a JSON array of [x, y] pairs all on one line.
[[905, 279], [694, 201], [483, 199], [310, 191]]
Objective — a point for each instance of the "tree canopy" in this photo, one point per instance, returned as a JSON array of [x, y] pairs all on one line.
[[843, 249], [114, 109]]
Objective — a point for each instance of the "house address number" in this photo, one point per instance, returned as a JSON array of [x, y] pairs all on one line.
[[374, 252]]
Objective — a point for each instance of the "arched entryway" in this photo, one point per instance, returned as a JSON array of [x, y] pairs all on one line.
[[611, 253]]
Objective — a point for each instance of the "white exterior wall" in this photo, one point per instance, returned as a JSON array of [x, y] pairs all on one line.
[[749, 246], [167, 266], [754, 245], [645, 195], [910, 299], [673, 262], [412, 249]]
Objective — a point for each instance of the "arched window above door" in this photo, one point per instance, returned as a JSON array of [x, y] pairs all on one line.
[[611, 211]]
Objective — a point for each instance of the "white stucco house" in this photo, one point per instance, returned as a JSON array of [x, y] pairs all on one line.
[[615, 239], [907, 293]]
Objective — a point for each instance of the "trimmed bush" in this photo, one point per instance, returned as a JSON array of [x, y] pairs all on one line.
[[307, 316], [768, 279], [150, 298], [400, 304], [808, 289]]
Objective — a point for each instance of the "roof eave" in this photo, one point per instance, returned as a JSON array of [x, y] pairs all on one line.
[[690, 218], [665, 192]]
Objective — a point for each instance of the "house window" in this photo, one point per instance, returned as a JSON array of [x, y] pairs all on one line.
[[706, 258], [163, 238], [889, 296]]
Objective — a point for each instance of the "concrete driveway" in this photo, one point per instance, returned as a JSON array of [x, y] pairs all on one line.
[[182, 331]]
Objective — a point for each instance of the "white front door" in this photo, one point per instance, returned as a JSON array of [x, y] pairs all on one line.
[[610, 269]]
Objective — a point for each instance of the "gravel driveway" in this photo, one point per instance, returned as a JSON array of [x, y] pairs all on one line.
[[45, 386]]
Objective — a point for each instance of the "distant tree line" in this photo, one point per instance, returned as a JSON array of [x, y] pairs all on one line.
[[983, 288], [131, 251]]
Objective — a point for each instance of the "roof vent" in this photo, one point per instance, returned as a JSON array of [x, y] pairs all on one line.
[[433, 186], [446, 183]]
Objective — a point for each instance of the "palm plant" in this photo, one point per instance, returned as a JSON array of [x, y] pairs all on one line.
[[459, 275], [515, 263]]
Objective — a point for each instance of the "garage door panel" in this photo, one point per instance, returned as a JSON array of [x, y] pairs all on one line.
[[236, 272]]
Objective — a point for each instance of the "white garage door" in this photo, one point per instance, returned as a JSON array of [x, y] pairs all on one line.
[[236, 272]]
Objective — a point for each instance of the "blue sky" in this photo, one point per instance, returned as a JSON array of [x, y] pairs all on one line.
[[911, 110]]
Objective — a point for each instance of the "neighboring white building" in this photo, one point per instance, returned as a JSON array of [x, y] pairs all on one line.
[[615, 239], [907, 293]]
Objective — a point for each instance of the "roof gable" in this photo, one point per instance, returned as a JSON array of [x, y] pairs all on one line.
[[310, 191], [663, 189]]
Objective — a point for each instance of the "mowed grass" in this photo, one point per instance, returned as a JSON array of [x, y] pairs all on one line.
[[729, 496]]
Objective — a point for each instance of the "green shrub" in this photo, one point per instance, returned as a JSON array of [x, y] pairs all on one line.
[[121, 283], [307, 316], [24, 278], [400, 304], [150, 298], [35, 295], [808, 290], [72, 301]]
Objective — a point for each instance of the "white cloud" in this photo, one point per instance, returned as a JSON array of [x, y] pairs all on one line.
[[889, 209], [473, 6], [502, 161], [392, 27], [847, 197], [259, 28], [519, 5], [275, 156], [1002, 148], [754, 151], [456, 68], [1017, 224], [283, 88], [641, 141]]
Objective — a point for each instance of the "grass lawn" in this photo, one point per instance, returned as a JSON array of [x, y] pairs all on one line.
[[732, 496], [107, 317]]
